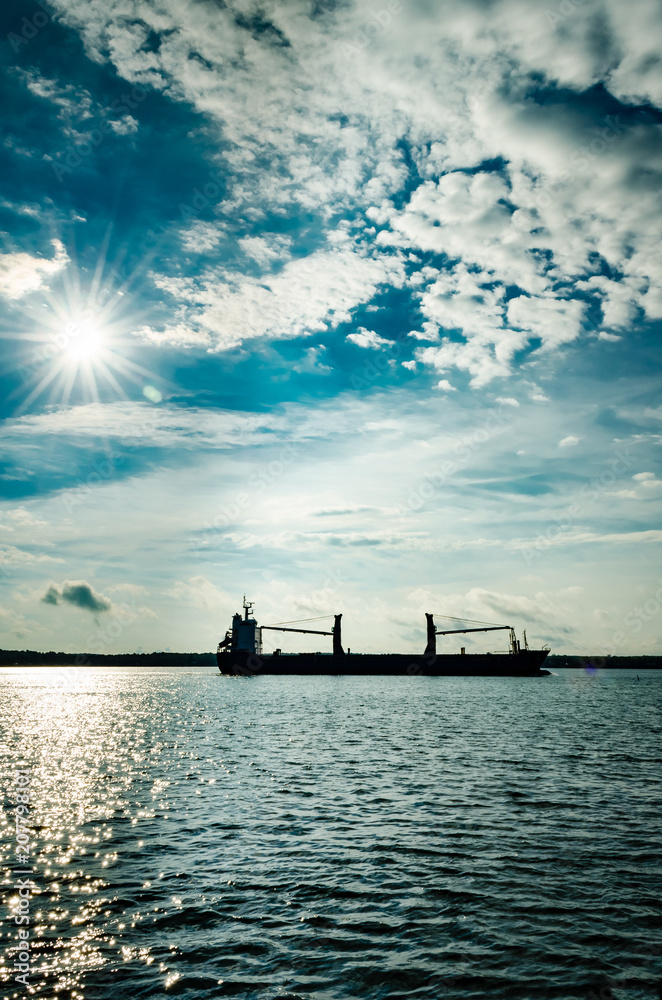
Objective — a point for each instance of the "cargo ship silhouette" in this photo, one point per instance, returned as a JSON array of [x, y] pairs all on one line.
[[240, 652]]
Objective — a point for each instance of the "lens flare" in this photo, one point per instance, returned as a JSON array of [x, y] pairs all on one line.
[[78, 347]]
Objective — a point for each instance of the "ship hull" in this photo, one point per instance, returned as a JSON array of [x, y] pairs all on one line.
[[526, 663]]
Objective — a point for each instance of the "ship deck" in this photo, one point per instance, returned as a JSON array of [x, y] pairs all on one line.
[[526, 663]]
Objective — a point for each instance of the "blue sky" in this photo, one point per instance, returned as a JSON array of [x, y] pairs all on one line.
[[348, 306]]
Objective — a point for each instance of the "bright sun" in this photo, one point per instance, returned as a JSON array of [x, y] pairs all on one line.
[[86, 342], [81, 349]]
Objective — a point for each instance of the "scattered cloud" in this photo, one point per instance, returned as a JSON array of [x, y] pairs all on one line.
[[20, 518], [646, 487], [306, 297], [203, 237], [367, 338], [311, 362], [124, 126], [78, 593], [12, 555], [264, 251]]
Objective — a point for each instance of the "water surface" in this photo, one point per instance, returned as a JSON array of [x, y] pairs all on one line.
[[332, 838]]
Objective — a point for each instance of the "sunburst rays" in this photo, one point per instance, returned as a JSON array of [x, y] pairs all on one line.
[[77, 346]]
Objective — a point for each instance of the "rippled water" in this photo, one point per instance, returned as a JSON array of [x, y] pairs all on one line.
[[203, 836]]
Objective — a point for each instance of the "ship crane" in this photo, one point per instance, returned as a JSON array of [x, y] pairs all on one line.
[[433, 632], [335, 632]]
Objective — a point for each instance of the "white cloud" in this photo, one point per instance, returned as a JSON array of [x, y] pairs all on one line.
[[477, 358], [307, 296], [22, 518], [646, 486], [445, 385], [536, 393], [191, 428], [555, 321], [580, 537], [21, 273], [311, 362], [72, 102], [138, 423], [178, 335], [569, 442], [265, 251], [303, 541], [367, 338], [127, 125], [11, 555], [202, 237]]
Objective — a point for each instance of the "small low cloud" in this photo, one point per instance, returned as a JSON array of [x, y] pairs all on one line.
[[311, 363], [124, 126], [80, 594], [202, 237], [445, 386], [644, 477], [569, 442], [367, 338], [537, 394], [22, 518], [646, 485], [265, 252], [507, 401]]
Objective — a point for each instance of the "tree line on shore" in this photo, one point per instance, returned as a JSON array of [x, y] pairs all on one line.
[[32, 658]]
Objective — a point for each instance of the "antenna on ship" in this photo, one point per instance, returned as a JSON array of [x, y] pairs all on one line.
[[248, 608]]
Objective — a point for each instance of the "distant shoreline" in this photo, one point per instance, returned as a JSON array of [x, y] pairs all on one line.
[[33, 658]]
